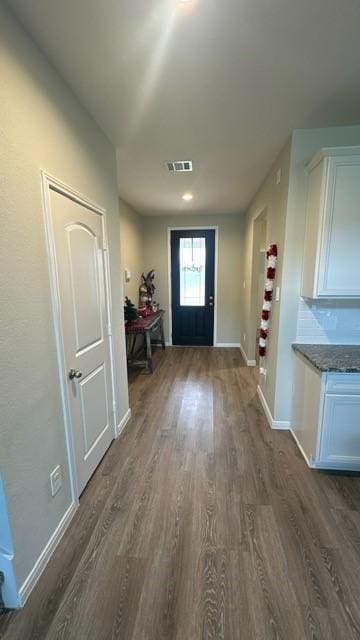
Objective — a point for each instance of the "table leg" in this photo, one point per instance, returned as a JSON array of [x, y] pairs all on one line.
[[148, 351], [162, 336]]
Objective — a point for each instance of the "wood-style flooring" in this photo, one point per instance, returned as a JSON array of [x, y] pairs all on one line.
[[202, 523]]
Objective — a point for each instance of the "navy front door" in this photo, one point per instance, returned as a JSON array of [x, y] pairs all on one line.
[[192, 286]]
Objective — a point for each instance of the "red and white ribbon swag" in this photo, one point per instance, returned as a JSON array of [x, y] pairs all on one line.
[[271, 256]]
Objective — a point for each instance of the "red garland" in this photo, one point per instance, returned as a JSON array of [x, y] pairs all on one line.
[[272, 251], [271, 256]]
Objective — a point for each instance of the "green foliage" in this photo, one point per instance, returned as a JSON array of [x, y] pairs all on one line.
[[130, 312]]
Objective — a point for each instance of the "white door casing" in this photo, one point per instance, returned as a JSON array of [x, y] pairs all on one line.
[[78, 242]]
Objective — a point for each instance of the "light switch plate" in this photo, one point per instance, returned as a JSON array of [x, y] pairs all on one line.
[[56, 480]]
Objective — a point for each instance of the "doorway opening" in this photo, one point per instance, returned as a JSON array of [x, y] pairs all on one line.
[[259, 271], [192, 286]]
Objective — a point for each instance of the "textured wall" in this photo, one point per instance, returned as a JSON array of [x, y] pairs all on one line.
[[42, 126], [305, 143], [132, 248], [229, 265], [286, 205], [271, 197]]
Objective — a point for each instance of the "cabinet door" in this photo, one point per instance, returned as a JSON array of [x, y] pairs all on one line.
[[338, 274], [314, 208], [340, 437], [306, 407]]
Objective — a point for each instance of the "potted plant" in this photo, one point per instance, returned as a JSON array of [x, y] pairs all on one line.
[[130, 311]]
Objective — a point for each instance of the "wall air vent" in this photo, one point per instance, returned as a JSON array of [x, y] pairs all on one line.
[[180, 165]]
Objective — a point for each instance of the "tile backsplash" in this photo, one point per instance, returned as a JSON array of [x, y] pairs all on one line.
[[328, 322]]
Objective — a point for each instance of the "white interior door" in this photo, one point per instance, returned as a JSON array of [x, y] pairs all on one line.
[[78, 238]]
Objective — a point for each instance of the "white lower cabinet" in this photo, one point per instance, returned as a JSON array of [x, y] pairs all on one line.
[[326, 417], [340, 434]]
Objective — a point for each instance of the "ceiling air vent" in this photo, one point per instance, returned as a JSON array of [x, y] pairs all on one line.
[[180, 165]]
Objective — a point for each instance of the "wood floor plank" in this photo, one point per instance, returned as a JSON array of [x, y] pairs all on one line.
[[275, 590], [201, 523]]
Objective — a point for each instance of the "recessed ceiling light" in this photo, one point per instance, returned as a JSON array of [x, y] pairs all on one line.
[[187, 197]]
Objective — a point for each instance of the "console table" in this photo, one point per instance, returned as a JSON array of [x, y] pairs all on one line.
[[146, 327]]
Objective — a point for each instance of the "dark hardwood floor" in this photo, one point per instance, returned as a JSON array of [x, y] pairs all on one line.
[[202, 523]]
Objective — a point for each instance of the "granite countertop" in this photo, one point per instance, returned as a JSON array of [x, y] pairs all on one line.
[[331, 357]]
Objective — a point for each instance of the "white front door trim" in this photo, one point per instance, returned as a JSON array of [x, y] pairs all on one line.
[[188, 228]]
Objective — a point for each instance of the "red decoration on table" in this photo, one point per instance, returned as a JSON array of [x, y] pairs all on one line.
[[144, 312], [138, 326]]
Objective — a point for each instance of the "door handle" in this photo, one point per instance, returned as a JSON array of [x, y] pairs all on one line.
[[75, 373]]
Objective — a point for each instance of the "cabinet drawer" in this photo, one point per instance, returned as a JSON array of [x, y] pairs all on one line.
[[343, 383]]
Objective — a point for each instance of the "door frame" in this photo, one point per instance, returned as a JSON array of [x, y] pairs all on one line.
[[253, 316], [189, 228], [48, 183]]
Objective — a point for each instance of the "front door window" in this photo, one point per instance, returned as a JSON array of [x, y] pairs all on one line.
[[192, 272]]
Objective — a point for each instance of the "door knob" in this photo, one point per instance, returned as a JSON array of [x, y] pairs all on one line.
[[75, 373]]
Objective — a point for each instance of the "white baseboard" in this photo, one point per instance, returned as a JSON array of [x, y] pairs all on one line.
[[274, 424], [232, 345], [44, 557], [300, 448], [281, 424], [265, 405], [123, 422], [249, 363]]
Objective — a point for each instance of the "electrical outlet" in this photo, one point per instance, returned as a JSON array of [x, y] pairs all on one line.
[[278, 176], [56, 480]]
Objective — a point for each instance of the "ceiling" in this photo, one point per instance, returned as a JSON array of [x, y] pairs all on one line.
[[218, 82]]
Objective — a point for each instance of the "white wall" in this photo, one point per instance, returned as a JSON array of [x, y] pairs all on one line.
[[285, 205], [42, 126], [132, 249], [228, 303], [305, 143], [272, 198]]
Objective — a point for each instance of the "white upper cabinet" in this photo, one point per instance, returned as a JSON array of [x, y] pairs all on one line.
[[332, 237]]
